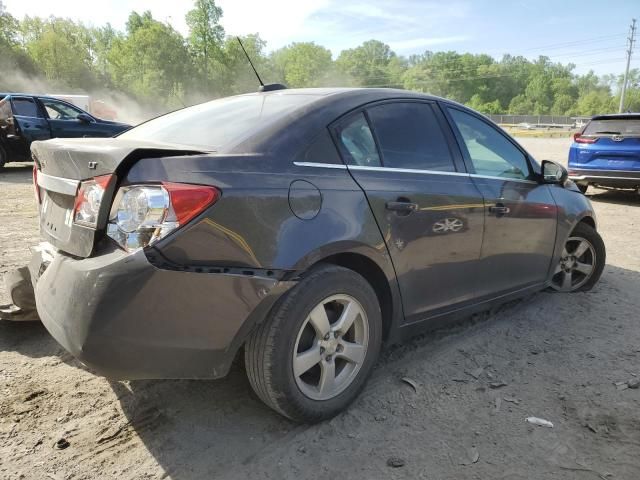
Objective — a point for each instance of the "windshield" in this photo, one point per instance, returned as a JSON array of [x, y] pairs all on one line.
[[215, 124], [615, 126]]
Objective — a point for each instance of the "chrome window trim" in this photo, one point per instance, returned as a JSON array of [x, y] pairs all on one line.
[[320, 165], [490, 177], [378, 169], [61, 185], [409, 170]]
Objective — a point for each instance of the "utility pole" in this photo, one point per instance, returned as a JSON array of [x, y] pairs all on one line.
[[630, 41]]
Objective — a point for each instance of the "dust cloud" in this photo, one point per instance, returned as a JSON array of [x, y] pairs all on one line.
[[110, 105]]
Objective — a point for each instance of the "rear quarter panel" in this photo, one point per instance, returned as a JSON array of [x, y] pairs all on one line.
[[252, 225]]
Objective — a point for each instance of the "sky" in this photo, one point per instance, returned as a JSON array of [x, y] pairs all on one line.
[[589, 33]]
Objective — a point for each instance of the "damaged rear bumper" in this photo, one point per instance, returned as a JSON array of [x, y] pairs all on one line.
[[127, 319]]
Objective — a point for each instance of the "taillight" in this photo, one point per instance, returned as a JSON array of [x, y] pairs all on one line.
[[89, 199], [36, 188], [578, 138], [143, 214]]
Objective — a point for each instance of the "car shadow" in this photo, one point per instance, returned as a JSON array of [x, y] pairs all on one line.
[[615, 197], [201, 428], [30, 339], [17, 173], [219, 428]]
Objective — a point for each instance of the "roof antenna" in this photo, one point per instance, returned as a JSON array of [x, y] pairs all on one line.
[[263, 88]]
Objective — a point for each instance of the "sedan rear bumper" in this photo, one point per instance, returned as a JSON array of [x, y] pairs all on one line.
[[127, 319], [606, 178]]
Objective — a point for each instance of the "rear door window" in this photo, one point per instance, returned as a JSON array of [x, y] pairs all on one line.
[[626, 127], [357, 143], [410, 137], [25, 107]]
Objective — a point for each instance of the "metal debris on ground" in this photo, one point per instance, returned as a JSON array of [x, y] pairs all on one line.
[[62, 444], [395, 462], [495, 385], [410, 382], [472, 456], [541, 422]]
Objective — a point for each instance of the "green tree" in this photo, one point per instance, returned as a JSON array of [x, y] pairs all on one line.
[[151, 62], [234, 73], [372, 63], [62, 50], [302, 65], [563, 104], [521, 105], [206, 35]]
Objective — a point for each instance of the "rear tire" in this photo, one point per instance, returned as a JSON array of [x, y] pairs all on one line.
[[307, 375], [583, 187]]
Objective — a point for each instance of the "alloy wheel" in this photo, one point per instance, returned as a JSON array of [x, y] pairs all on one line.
[[577, 264], [330, 347]]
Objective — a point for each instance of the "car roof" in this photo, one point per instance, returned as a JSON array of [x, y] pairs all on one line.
[[378, 93], [304, 123], [617, 116]]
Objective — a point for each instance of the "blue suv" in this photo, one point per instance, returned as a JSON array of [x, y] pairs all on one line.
[[606, 153]]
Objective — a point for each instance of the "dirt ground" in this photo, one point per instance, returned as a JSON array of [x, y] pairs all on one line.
[[559, 357]]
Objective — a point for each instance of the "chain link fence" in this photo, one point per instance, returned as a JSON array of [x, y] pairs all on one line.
[[558, 121]]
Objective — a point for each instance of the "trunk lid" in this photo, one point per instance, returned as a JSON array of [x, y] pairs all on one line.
[[62, 164]]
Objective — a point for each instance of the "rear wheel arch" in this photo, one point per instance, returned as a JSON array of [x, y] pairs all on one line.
[[374, 275]]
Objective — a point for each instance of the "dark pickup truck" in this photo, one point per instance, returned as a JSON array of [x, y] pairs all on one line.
[[25, 118]]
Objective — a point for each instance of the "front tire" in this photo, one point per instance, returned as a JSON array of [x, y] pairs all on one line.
[[581, 262], [583, 187], [312, 355]]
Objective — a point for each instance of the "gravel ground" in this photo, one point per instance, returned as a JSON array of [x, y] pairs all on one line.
[[553, 356]]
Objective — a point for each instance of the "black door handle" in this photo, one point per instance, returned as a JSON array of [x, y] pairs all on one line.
[[404, 207], [499, 209]]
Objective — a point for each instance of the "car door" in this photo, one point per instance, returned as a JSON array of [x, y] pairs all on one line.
[[428, 210], [520, 213], [67, 121], [29, 121]]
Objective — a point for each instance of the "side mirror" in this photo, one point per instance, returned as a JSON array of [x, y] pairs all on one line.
[[84, 118], [553, 172]]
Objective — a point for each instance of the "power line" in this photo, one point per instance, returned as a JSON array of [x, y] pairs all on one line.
[[575, 42], [427, 81]]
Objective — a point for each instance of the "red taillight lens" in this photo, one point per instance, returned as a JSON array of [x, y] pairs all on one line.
[[88, 200], [189, 200], [36, 188], [143, 214], [578, 138]]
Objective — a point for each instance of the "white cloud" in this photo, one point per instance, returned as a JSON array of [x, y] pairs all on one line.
[[277, 21]]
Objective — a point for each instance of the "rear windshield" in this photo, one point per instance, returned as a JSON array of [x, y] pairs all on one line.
[[215, 124], [615, 126]]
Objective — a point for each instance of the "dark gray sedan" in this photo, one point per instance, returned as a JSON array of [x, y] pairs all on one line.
[[303, 228]]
